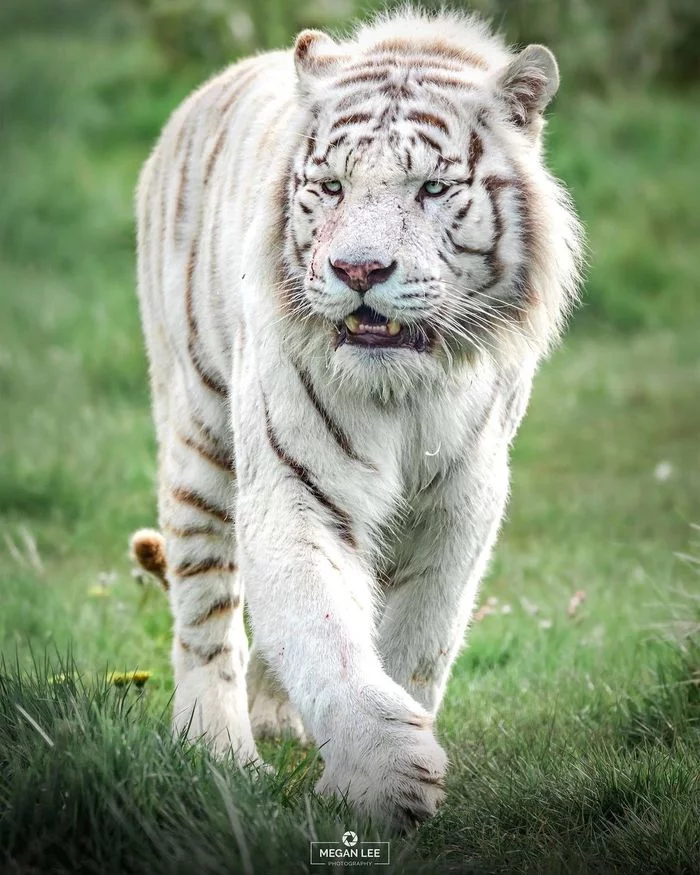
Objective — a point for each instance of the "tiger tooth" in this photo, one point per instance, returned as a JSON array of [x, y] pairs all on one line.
[[393, 328], [353, 323]]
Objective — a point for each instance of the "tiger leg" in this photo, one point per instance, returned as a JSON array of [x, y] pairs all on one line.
[[311, 601], [272, 715], [210, 648], [432, 595]]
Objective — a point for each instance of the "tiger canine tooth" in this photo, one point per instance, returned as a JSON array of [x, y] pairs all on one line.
[[353, 323], [393, 328]]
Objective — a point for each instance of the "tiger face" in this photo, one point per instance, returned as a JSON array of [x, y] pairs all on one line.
[[412, 234], [407, 239]]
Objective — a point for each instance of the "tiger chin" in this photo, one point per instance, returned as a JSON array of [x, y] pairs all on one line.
[[351, 259]]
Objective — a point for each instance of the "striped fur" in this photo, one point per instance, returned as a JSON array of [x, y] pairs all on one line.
[[356, 491]]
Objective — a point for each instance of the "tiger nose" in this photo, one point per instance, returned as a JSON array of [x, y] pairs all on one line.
[[361, 277]]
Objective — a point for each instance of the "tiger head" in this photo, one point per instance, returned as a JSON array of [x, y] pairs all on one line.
[[423, 228]]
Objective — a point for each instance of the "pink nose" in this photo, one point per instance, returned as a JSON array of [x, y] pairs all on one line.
[[361, 277]]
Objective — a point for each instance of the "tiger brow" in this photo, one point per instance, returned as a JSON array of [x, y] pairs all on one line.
[[442, 163], [450, 159], [320, 160]]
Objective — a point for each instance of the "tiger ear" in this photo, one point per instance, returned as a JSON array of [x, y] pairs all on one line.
[[315, 55], [528, 83]]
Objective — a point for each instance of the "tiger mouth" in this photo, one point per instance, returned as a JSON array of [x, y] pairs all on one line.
[[365, 327]]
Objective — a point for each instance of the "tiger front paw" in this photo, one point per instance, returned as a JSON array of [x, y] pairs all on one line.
[[392, 770]]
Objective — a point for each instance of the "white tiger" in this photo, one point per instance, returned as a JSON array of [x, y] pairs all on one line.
[[351, 258]]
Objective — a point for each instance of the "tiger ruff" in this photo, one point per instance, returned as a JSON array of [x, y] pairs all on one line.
[[351, 258]]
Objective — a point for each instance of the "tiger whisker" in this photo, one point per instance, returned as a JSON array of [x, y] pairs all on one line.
[[460, 331], [482, 295]]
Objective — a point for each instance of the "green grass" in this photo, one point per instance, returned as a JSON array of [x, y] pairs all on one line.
[[574, 741], [598, 781]]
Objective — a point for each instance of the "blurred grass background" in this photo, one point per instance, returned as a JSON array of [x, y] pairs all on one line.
[[606, 473]]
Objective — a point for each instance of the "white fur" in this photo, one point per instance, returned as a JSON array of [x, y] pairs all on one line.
[[355, 626]]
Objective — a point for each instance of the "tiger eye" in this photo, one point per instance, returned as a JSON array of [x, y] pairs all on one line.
[[332, 186], [434, 188]]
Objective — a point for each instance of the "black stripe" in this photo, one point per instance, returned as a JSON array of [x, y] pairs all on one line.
[[429, 141], [444, 82], [476, 151], [203, 566], [214, 154], [208, 432], [222, 606], [496, 183], [453, 267], [469, 250], [183, 185], [310, 144], [355, 98], [218, 458], [422, 61], [187, 496], [357, 118], [192, 531], [369, 76], [428, 118], [214, 383], [335, 430], [340, 517], [205, 655], [396, 92]]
